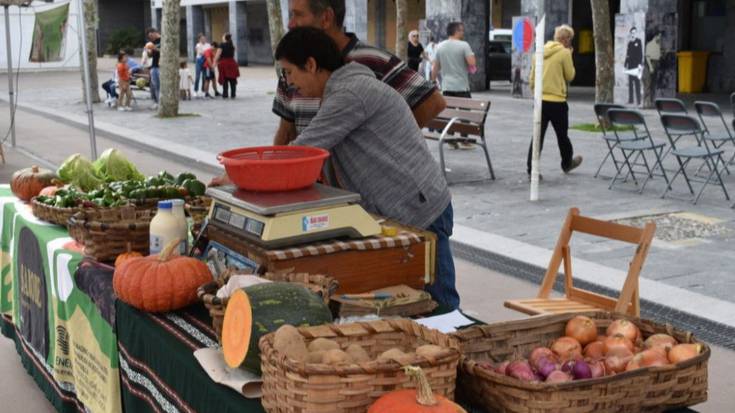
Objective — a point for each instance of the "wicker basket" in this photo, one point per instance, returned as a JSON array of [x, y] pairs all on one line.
[[290, 386], [321, 285], [106, 233], [653, 389], [52, 214]]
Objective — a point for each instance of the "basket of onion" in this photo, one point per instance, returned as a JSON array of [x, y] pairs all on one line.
[[589, 362]]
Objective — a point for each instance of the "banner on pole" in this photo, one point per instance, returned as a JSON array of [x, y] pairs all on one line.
[[49, 35]]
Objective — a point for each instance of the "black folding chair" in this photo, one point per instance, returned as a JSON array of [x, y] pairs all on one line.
[[670, 106], [610, 140], [636, 149], [680, 126], [718, 136]]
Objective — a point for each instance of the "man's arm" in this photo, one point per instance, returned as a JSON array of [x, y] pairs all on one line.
[[435, 68], [429, 109], [286, 133]]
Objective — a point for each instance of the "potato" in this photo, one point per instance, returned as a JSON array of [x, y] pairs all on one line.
[[336, 356], [315, 357], [429, 351], [323, 344], [285, 335], [358, 354], [396, 355], [296, 350]]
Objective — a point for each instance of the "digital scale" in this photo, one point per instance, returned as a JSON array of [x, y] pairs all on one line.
[[286, 218]]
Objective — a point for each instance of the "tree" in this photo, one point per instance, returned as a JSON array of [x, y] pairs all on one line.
[[90, 24], [604, 61], [401, 35], [275, 22], [169, 63]]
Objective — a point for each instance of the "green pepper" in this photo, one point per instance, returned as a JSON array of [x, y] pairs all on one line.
[[154, 192], [166, 177], [182, 177], [137, 194], [194, 187], [153, 181], [172, 192]]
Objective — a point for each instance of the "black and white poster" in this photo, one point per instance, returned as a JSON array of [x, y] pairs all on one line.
[[630, 34], [660, 71]]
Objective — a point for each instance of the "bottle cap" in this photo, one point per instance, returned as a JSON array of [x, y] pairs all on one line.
[[165, 205]]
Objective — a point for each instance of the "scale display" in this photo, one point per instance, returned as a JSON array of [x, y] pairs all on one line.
[[239, 222]]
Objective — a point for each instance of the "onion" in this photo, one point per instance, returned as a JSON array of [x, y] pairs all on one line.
[[546, 366], [486, 365], [520, 369], [662, 342], [567, 348], [582, 329], [538, 353], [617, 340], [681, 352], [597, 368], [595, 350], [625, 328], [647, 358], [581, 370], [502, 368], [617, 359], [558, 376]]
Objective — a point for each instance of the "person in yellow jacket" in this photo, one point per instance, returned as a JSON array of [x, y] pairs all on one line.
[[558, 72]]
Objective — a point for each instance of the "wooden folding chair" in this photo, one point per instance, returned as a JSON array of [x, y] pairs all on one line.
[[579, 300]]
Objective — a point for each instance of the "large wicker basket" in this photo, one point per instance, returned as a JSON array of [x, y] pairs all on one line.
[[290, 386], [652, 389], [322, 285], [107, 233], [52, 214]]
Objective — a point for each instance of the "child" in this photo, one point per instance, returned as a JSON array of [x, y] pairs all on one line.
[[185, 81], [123, 80], [110, 88]]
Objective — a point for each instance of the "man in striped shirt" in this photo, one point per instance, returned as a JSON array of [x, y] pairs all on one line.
[[296, 112]]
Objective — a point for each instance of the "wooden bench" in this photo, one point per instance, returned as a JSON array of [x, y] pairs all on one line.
[[462, 121], [577, 299]]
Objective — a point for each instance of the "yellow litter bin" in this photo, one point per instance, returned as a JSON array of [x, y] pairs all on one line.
[[692, 71]]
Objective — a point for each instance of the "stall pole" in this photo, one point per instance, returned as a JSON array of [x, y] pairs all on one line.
[[85, 67], [11, 92], [537, 92]]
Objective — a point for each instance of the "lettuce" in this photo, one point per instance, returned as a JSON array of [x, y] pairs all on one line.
[[78, 170], [112, 165]]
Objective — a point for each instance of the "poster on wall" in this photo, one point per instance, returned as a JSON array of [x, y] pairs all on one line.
[[660, 70], [49, 35], [630, 30], [523, 34]]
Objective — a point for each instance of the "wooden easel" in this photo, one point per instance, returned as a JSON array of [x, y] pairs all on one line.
[[576, 299]]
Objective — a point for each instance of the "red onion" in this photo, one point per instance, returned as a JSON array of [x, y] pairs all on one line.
[[502, 368], [538, 353], [546, 366], [581, 370], [558, 376], [520, 369], [597, 367]]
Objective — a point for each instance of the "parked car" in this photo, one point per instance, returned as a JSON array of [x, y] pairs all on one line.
[[498, 60]]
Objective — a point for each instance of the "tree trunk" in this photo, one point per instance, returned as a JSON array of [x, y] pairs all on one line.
[[401, 34], [275, 22], [169, 63], [90, 23], [604, 59]]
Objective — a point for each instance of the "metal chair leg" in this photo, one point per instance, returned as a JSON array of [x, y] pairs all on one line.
[[671, 182], [487, 158]]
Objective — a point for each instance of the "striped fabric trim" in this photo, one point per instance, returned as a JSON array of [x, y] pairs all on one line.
[[139, 394], [174, 331], [193, 332], [404, 239]]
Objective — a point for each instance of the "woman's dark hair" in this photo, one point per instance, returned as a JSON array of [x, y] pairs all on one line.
[[214, 45], [228, 37], [301, 43]]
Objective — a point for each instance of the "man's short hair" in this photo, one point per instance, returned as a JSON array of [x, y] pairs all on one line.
[[150, 30], [453, 28], [338, 6], [563, 32], [301, 43]]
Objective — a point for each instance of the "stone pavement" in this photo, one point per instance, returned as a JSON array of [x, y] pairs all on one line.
[[691, 262]]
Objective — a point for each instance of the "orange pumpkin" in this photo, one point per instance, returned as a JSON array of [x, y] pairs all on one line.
[[129, 255], [27, 183], [419, 400], [50, 191], [159, 283]]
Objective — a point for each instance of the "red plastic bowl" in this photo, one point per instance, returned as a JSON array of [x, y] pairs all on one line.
[[273, 168]]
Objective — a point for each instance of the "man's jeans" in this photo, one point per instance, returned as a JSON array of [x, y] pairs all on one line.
[[199, 70], [444, 290], [155, 84]]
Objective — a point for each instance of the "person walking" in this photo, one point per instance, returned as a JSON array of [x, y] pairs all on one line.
[[634, 66], [200, 47], [454, 61], [415, 50], [155, 56], [429, 56], [227, 66], [123, 81], [209, 66], [558, 72]]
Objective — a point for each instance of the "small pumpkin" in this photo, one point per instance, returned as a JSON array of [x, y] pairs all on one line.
[[27, 183], [128, 255], [159, 283], [418, 400]]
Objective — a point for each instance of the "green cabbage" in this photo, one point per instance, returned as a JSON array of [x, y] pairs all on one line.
[[78, 170], [112, 165]]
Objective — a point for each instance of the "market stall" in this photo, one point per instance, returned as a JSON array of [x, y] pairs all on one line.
[[297, 301]]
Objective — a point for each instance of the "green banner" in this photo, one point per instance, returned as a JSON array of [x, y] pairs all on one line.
[[54, 313]]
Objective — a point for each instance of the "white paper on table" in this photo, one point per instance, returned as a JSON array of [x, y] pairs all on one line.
[[237, 282], [446, 323], [213, 362]]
